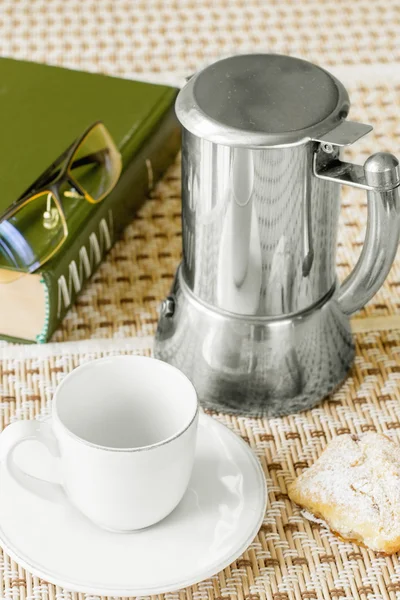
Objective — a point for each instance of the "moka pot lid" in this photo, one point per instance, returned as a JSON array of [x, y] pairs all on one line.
[[267, 100]]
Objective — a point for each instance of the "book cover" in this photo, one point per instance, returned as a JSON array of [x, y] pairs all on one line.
[[44, 109]]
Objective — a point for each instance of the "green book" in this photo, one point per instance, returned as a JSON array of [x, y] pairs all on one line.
[[44, 109]]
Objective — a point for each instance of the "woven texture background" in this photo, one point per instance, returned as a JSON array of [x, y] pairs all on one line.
[[173, 36], [164, 41]]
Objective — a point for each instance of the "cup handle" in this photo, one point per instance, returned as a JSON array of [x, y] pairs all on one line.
[[14, 435], [380, 177]]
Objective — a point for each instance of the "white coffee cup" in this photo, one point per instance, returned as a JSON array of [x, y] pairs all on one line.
[[124, 429]]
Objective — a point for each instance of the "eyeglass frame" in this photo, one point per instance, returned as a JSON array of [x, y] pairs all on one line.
[[41, 185]]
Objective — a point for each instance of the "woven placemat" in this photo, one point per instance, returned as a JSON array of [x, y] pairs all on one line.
[[165, 38], [291, 558]]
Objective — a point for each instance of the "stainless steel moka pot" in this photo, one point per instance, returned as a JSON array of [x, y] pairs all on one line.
[[256, 317]]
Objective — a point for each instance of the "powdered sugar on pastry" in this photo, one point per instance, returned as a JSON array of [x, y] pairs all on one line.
[[355, 487], [310, 517]]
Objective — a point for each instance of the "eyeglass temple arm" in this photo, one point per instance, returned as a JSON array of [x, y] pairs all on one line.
[[95, 157]]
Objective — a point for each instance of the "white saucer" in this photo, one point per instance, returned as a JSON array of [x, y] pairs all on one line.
[[214, 524]]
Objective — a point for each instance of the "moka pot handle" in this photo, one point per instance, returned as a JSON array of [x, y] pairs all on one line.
[[380, 177]]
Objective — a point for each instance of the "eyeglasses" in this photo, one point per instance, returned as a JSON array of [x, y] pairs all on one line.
[[35, 226]]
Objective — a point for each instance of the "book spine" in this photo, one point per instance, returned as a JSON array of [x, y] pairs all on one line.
[[65, 280]]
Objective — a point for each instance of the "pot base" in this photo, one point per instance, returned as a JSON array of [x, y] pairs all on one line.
[[255, 365]]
